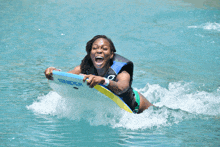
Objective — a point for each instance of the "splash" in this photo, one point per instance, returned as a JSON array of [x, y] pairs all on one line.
[[208, 26], [48, 104], [76, 109], [179, 102], [184, 96]]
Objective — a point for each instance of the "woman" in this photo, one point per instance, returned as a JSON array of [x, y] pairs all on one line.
[[103, 66]]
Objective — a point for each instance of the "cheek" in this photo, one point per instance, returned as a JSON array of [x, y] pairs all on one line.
[[112, 55], [108, 54], [92, 54]]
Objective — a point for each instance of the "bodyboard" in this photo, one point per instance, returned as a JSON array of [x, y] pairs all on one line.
[[72, 85]]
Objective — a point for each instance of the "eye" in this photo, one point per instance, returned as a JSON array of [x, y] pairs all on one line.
[[105, 48]]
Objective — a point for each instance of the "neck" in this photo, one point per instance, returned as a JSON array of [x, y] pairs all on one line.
[[101, 72]]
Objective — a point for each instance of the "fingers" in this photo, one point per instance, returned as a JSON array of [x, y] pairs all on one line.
[[48, 72], [92, 80], [85, 77]]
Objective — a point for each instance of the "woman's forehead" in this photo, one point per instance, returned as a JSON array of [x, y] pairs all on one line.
[[101, 41]]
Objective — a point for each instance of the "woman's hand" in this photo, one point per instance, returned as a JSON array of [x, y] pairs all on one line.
[[93, 80], [119, 86], [48, 72]]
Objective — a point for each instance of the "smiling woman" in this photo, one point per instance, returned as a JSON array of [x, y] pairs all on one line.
[[103, 66], [101, 53]]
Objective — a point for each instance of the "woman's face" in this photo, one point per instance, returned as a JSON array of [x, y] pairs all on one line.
[[101, 53]]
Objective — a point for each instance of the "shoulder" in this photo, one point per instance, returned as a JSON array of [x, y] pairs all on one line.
[[76, 70], [120, 58], [120, 61], [123, 75]]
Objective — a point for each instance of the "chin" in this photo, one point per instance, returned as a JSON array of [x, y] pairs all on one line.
[[98, 67]]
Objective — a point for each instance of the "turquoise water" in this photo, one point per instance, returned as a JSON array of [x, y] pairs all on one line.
[[175, 49]]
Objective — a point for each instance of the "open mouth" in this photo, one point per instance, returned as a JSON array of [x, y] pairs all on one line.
[[99, 60]]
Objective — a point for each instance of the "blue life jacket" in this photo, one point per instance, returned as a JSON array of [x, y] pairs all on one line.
[[120, 64]]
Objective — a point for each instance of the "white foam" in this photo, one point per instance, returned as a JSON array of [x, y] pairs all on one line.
[[151, 118], [183, 96], [46, 104], [208, 26], [72, 108], [180, 101]]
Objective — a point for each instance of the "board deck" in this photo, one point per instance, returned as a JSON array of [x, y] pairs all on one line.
[[72, 85]]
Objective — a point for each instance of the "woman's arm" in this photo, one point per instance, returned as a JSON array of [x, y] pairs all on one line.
[[76, 70], [119, 86], [49, 71]]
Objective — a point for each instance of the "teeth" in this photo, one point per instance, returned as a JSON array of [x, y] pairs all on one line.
[[99, 60], [98, 57]]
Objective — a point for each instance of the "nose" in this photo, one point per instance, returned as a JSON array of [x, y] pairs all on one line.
[[99, 50]]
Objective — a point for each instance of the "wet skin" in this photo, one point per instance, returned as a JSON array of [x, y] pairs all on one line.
[[100, 55]]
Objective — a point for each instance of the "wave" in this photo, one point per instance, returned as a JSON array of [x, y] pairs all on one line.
[[179, 102], [184, 96], [208, 26]]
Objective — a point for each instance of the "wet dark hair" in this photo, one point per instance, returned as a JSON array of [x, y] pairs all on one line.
[[86, 63]]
